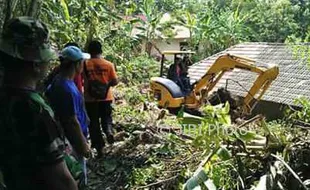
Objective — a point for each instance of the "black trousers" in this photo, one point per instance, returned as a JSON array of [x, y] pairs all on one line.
[[99, 111]]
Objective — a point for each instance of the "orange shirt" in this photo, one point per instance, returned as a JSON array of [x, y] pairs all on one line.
[[102, 70]]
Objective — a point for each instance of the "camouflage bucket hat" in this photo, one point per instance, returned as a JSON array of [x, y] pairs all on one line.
[[27, 39]]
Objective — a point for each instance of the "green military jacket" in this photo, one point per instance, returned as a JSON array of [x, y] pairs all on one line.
[[29, 138]]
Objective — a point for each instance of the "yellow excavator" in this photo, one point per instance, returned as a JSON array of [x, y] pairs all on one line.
[[170, 95]]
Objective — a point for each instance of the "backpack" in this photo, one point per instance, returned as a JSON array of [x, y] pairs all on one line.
[[96, 88]]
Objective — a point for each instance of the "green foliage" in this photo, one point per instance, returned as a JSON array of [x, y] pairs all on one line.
[[218, 171], [139, 69], [129, 114], [211, 129], [133, 96], [65, 10], [167, 149], [131, 100], [214, 129], [272, 21], [222, 173], [214, 26], [201, 179], [142, 176], [151, 27], [223, 154], [302, 17], [217, 25], [302, 114], [77, 21]]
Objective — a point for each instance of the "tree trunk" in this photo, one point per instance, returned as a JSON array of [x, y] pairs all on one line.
[[156, 48], [8, 12], [33, 8], [10, 6], [148, 48], [90, 35]]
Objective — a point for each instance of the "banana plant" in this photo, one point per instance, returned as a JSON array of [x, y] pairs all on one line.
[[15, 8], [202, 177], [233, 26], [151, 27], [189, 21]]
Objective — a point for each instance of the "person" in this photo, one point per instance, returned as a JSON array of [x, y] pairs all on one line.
[[177, 72], [68, 103], [31, 148], [98, 68], [50, 77], [78, 78]]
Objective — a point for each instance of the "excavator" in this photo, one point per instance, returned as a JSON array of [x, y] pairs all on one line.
[[169, 95]]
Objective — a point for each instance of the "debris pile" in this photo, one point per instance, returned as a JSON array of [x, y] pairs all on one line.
[[155, 151]]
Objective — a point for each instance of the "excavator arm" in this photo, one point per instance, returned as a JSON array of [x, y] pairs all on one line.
[[229, 62]]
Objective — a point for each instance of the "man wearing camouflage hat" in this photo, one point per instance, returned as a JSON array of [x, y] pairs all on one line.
[[30, 140]]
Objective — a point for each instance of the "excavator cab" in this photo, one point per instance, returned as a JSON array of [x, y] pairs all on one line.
[[179, 57], [175, 81]]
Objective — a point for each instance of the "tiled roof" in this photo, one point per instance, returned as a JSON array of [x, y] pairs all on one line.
[[293, 80]]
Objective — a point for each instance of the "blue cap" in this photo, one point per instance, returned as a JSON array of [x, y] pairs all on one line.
[[72, 53]]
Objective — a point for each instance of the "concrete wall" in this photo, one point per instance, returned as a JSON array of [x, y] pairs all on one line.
[[173, 44]]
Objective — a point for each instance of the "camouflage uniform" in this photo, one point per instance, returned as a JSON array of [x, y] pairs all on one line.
[[29, 136]]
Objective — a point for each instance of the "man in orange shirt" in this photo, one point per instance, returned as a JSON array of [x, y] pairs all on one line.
[[97, 68]]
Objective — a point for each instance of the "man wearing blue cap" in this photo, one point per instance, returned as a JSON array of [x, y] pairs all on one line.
[[68, 103]]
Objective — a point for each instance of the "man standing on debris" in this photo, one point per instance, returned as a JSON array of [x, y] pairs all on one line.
[[68, 103], [78, 79], [30, 140], [99, 70]]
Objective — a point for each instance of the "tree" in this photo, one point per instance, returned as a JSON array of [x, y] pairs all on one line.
[[271, 21], [302, 17], [14, 8], [150, 27]]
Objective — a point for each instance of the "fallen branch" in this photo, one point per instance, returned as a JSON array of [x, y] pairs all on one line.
[[158, 182], [302, 124], [250, 147], [291, 170], [206, 160], [257, 117], [291, 108], [246, 155], [173, 171], [168, 129], [185, 136], [188, 159]]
